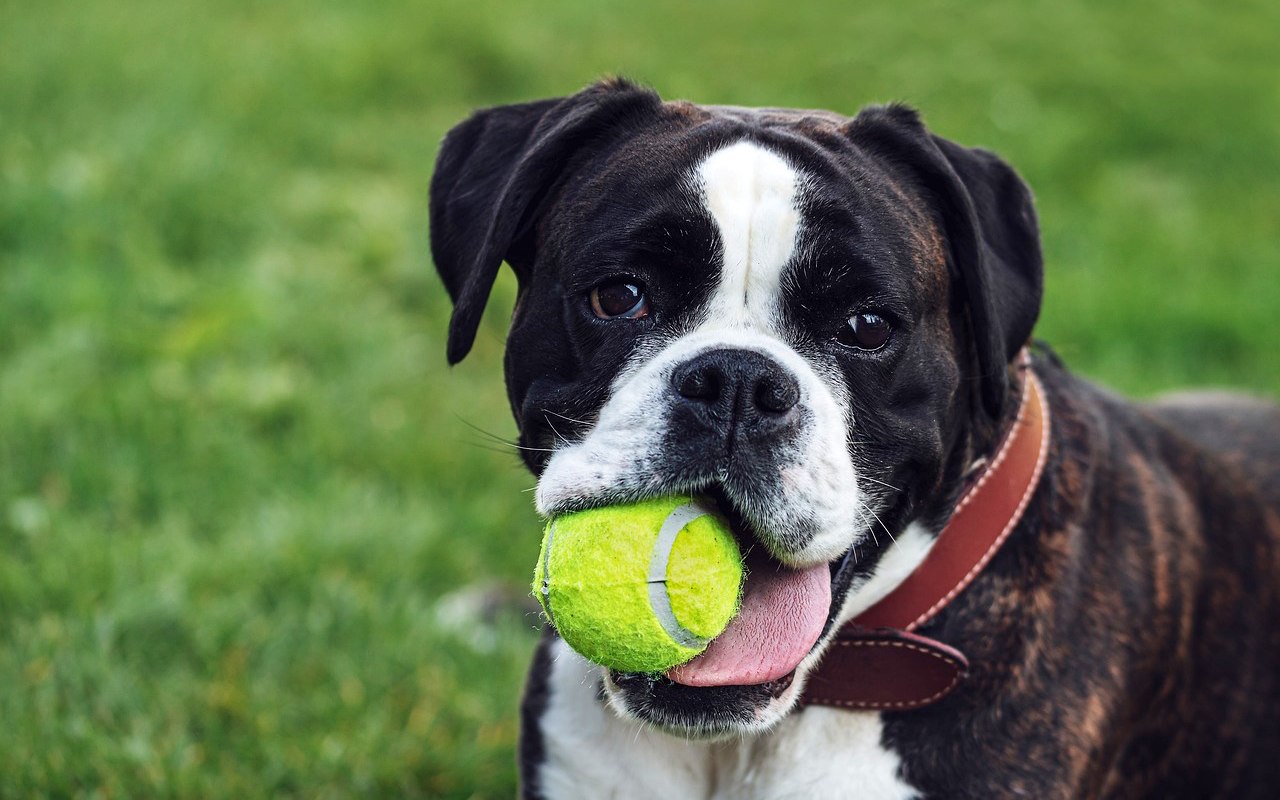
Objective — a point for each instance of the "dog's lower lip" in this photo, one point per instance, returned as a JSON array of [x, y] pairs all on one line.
[[774, 687], [777, 686]]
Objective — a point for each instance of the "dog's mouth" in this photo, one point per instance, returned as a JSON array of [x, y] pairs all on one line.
[[783, 615]]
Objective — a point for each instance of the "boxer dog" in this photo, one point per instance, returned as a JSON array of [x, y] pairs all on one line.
[[815, 322]]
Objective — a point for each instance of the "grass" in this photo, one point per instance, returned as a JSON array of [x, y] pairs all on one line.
[[242, 515]]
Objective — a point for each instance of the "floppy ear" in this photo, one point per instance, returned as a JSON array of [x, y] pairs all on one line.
[[990, 223], [493, 175]]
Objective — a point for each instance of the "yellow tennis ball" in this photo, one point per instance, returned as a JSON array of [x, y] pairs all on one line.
[[640, 587]]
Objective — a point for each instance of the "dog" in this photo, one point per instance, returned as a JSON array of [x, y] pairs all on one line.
[[819, 323]]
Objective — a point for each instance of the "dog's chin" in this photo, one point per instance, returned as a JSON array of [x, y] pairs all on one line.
[[701, 712]]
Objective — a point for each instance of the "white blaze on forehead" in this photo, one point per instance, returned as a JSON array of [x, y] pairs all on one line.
[[751, 194]]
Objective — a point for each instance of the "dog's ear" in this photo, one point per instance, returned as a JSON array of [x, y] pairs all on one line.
[[990, 224], [1001, 262], [494, 174]]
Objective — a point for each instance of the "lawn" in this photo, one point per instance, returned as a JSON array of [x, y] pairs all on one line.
[[246, 511]]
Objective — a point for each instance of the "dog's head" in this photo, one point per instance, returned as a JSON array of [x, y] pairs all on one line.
[[807, 318]]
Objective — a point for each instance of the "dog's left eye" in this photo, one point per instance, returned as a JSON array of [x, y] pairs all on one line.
[[621, 298], [865, 331]]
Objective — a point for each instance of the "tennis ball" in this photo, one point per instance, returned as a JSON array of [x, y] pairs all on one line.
[[639, 587]]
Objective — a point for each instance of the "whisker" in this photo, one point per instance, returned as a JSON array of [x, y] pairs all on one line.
[[870, 529], [505, 442], [535, 449], [510, 446], [483, 446], [566, 417], [557, 433], [882, 525], [882, 483], [484, 432]]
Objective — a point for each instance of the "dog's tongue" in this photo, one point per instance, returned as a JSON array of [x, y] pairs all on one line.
[[783, 611]]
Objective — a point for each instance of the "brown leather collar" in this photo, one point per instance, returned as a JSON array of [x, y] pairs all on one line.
[[875, 660]]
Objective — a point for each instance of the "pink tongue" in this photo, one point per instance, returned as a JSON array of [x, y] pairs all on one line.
[[782, 615]]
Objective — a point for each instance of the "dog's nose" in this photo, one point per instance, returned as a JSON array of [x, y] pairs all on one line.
[[739, 387]]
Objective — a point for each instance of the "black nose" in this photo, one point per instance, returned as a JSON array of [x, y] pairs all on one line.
[[736, 388]]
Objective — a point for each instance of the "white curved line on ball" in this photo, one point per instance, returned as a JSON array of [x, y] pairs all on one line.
[[659, 599]]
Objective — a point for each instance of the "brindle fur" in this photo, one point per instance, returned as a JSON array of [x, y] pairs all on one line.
[[1125, 642]]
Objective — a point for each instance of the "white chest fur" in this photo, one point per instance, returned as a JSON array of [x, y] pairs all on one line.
[[590, 752]]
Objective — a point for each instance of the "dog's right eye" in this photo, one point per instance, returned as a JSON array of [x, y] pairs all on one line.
[[866, 331], [621, 298]]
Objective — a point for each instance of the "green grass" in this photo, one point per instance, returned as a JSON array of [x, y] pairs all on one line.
[[236, 478]]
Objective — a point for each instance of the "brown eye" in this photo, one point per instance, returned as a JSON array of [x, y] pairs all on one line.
[[620, 298], [865, 331]]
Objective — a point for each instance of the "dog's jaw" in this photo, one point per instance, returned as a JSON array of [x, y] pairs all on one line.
[[760, 709]]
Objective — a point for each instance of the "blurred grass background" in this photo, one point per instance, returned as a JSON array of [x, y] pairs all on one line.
[[242, 515]]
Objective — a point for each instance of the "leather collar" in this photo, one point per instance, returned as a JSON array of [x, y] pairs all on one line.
[[876, 661]]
